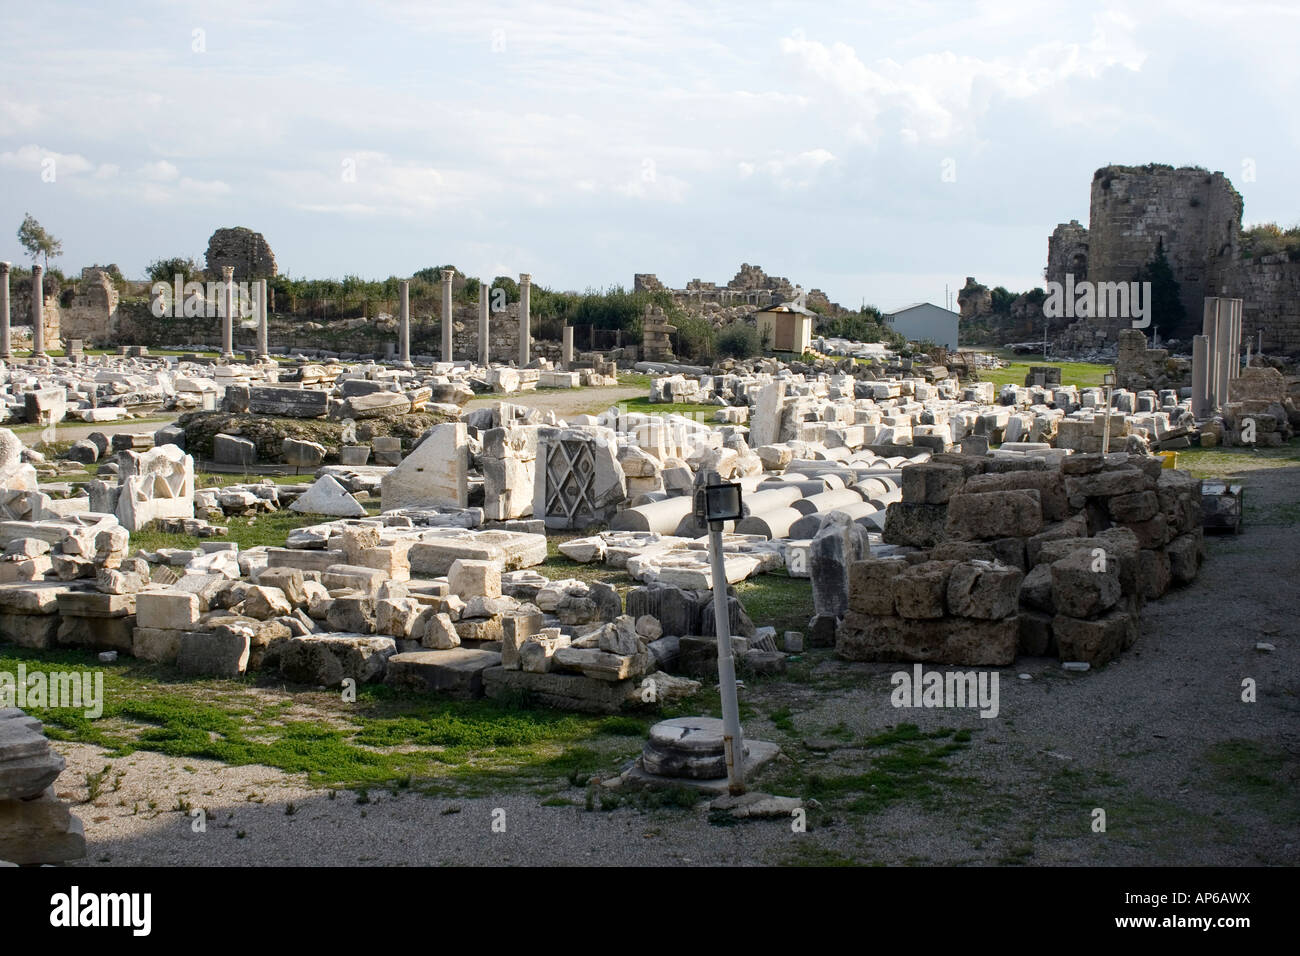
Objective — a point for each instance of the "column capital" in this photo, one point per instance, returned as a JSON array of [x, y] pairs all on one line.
[[37, 269], [525, 278], [448, 275], [4, 268], [227, 273]]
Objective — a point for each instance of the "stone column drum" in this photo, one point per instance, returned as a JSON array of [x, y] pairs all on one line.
[[525, 320], [447, 321], [566, 348]]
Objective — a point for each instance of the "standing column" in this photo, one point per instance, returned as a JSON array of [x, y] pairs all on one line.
[[1226, 352], [1200, 376], [263, 350], [1234, 309], [227, 313], [447, 321], [566, 348], [484, 352], [525, 320], [38, 312], [6, 350], [404, 325], [1210, 329]]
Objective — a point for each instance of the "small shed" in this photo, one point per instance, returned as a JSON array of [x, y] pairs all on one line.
[[786, 327], [925, 320]]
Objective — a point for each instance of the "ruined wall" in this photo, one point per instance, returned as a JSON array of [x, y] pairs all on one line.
[[1269, 288], [92, 314], [974, 299], [1194, 213], [1067, 252], [20, 308]]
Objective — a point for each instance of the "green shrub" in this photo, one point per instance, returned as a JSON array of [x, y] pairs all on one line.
[[739, 341]]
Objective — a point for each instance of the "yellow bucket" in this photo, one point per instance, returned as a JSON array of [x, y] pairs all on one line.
[[1170, 459]]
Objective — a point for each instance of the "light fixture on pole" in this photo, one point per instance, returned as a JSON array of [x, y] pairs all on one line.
[[1107, 379], [715, 504]]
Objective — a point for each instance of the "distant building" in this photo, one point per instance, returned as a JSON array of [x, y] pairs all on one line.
[[925, 320], [786, 327]]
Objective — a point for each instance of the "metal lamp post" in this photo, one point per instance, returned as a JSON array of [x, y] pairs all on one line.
[[1108, 379], [716, 504]]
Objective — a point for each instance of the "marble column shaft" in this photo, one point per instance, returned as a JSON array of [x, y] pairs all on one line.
[[448, 322], [525, 319]]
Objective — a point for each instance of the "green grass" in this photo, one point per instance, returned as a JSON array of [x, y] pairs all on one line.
[[264, 530], [905, 764], [1082, 374], [388, 738], [692, 409], [1229, 462], [777, 600]]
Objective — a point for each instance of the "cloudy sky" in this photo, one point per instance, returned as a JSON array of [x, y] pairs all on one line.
[[875, 150]]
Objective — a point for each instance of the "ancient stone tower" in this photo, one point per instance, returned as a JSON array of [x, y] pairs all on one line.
[[1194, 214], [246, 251]]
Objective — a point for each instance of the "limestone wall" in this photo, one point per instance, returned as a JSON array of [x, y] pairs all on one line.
[[1269, 288]]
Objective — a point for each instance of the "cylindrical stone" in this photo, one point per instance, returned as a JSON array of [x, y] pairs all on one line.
[[484, 347], [525, 319], [774, 523], [38, 312], [826, 501], [1200, 376], [263, 337], [448, 322], [6, 350], [227, 312], [404, 323], [566, 348], [662, 517]]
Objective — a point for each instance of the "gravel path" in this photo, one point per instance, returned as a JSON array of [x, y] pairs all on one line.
[[1186, 772], [566, 401]]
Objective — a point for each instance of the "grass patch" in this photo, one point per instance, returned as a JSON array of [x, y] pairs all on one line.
[[387, 739], [778, 600], [1081, 374]]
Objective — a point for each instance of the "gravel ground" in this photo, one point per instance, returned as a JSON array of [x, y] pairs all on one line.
[[1161, 741]]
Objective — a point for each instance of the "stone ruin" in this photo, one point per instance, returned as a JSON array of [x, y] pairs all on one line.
[[1023, 556], [36, 827], [247, 252]]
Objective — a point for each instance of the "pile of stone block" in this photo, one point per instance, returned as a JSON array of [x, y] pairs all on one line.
[[36, 827], [1093, 537], [944, 611]]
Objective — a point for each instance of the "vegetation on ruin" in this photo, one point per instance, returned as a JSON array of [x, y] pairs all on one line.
[[1269, 239], [1080, 374], [865, 325]]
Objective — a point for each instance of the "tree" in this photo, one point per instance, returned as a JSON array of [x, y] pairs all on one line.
[[37, 241], [166, 270], [1167, 310]]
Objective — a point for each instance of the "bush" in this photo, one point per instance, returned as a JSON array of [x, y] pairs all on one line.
[[694, 338], [739, 341]]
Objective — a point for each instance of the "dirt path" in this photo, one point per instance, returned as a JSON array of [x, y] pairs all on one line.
[[1185, 771]]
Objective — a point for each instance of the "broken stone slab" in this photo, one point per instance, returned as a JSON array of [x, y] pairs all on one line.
[[40, 831], [167, 609], [456, 673], [327, 497], [434, 474], [217, 653], [25, 777], [327, 659], [288, 402]]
